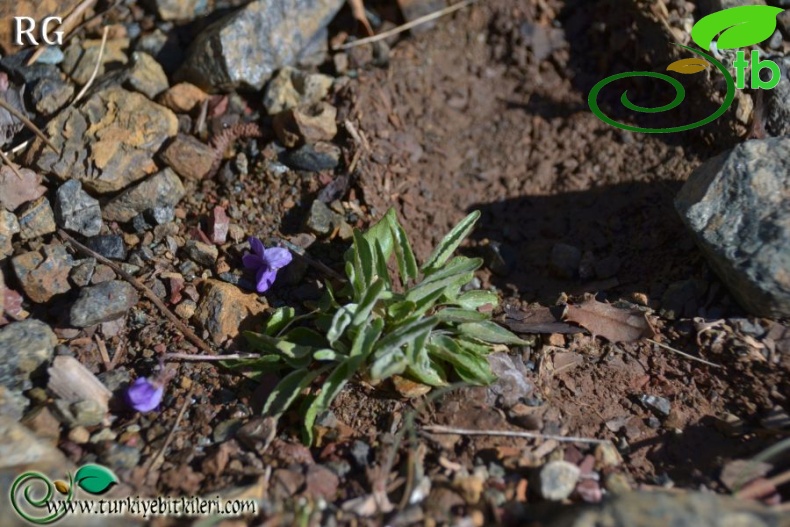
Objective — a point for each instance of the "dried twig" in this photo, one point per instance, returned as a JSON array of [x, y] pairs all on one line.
[[208, 358], [300, 253], [171, 434], [682, 354], [66, 26], [27, 122], [761, 488], [188, 333], [406, 26], [439, 429], [10, 164], [95, 68]]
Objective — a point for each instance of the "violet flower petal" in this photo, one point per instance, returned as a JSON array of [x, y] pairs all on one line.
[[253, 261], [144, 395], [277, 257], [257, 246], [265, 278]]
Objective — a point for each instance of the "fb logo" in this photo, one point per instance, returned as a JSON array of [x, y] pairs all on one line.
[[25, 26]]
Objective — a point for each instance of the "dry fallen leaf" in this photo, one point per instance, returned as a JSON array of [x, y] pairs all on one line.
[[609, 322]]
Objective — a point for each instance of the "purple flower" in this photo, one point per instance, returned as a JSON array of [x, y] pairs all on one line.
[[144, 395], [265, 262]]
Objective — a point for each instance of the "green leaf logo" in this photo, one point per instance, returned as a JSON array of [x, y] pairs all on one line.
[[739, 27], [95, 479]]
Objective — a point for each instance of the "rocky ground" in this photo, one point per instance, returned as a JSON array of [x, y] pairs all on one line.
[[173, 131]]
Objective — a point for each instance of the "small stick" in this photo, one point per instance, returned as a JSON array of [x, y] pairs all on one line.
[[11, 165], [66, 26], [194, 339], [27, 122], [763, 487], [315, 263], [690, 357], [199, 358], [171, 434], [438, 429], [406, 26], [105, 357], [95, 68]]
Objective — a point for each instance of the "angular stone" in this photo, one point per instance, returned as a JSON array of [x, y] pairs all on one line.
[[16, 191], [36, 219], [218, 226], [181, 10], [224, 57], [558, 479], [306, 124], [8, 227], [189, 157], [43, 273], [76, 210], [110, 246], [24, 347], [164, 189], [101, 303], [182, 97], [313, 158], [224, 310], [738, 206], [41, 421], [201, 253], [107, 142], [146, 75], [50, 95], [292, 87], [80, 57]]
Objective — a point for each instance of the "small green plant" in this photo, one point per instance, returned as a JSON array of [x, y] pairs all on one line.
[[422, 329]]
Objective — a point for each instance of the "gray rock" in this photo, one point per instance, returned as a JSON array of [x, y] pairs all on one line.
[[776, 112], [107, 142], [682, 509], [9, 226], [202, 253], [736, 204], [292, 87], [43, 273], [82, 272], [109, 245], [81, 56], [36, 219], [224, 57], [24, 347], [81, 413], [160, 215], [164, 189], [321, 218], [181, 10], [76, 210], [101, 303], [564, 260], [660, 405], [50, 95], [558, 480], [13, 403], [146, 75], [313, 158], [682, 299], [120, 457]]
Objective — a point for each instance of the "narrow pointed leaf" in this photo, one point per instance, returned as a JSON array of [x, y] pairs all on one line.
[[451, 314], [450, 243], [288, 389], [490, 332], [407, 263], [476, 299]]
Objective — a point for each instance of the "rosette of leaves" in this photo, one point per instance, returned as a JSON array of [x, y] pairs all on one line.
[[424, 326]]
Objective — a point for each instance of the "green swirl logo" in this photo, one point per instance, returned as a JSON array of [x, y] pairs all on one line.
[[736, 27], [33, 492]]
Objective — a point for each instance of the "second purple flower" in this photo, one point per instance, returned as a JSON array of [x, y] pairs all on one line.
[[265, 262]]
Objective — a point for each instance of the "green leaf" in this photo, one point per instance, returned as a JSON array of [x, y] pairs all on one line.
[[388, 364], [365, 340], [389, 358], [329, 355], [95, 479], [262, 363], [379, 233], [329, 390], [363, 254], [368, 302], [477, 299], [470, 368], [490, 332], [739, 27], [420, 366], [456, 274], [280, 318], [340, 322], [451, 314], [288, 389], [407, 264], [381, 267], [450, 243], [399, 311]]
